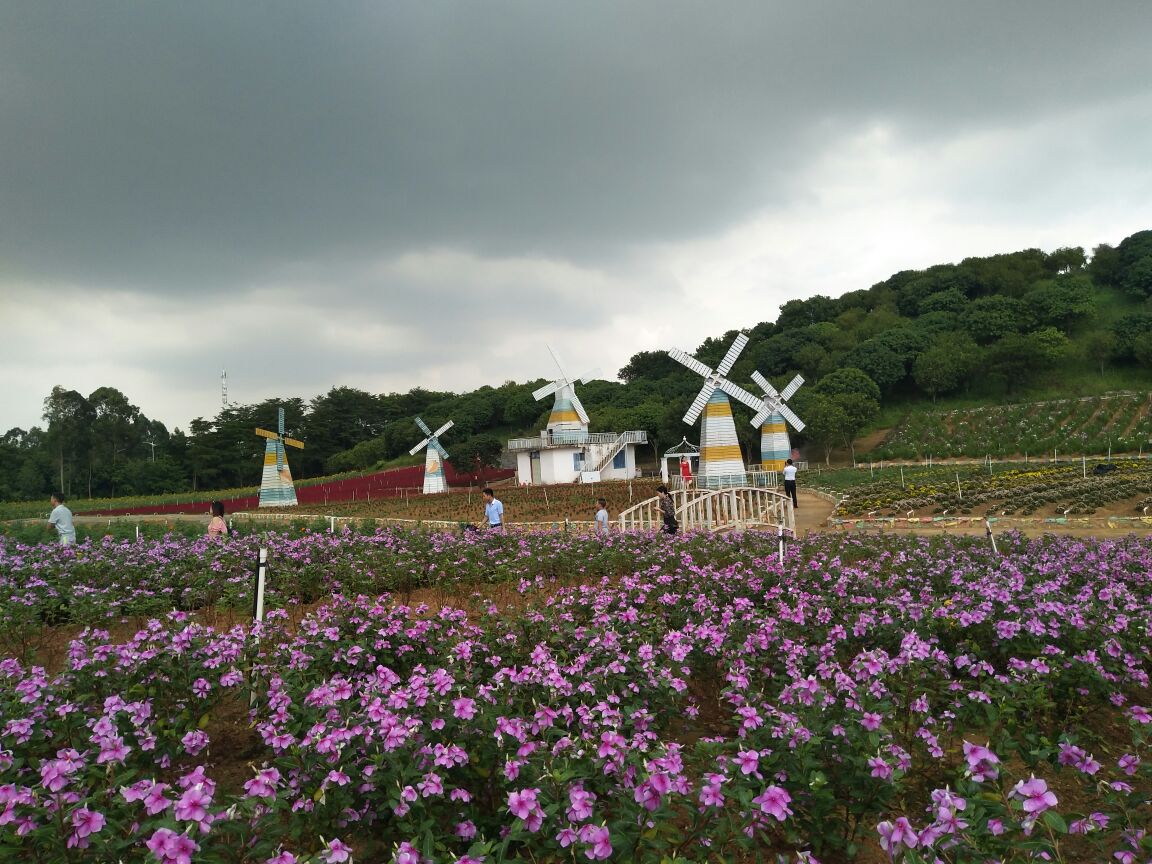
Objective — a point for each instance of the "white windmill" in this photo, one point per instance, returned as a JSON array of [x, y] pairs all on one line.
[[720, 460], [773, 419], [568, 415], [434, 480]]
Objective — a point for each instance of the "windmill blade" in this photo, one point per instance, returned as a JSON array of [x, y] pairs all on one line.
[[686, 359], [762, 417], [763, 383], [546, 390], [790, 415], [559, 365], [292, 442], [419, 447], [436, 446], [579, 406], [792, 387], [423, 427], [443, 429], [733, 352], [590, 375], [699, 402], [740, 394], [264, 433]]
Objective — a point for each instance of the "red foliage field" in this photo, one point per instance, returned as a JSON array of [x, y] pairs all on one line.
[[383, 484]]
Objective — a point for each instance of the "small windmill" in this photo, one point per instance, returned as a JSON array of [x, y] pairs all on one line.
[[773, 419], [434, 462], [568, 415], [276, 489], [720, 458]]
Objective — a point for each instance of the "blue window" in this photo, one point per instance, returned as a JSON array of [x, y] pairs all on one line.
[[577, 461], [620, 460]]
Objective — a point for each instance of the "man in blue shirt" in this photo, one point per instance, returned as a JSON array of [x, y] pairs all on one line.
[[61, 519], [493, 509]]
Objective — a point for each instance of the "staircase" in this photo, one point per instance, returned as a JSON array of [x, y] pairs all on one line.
[[616, 446], [716, 510]]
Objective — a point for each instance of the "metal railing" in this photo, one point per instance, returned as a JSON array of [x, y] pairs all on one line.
[[622, 440], [577, 439]]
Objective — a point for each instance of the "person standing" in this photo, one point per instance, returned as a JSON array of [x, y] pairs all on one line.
[[686, 472], [61, 519], [217, 527], [493, 509], [667, 510], [601, 517], [790, 482]]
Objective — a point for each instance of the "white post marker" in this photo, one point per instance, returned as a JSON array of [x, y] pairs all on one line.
[[331, 524], [1084, 465], [261, 581], [902, 477], [780, 531], [991, 536], [959, 491], [137, 533]]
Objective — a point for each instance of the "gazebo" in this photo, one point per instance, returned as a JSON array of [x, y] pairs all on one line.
[[684, 448]]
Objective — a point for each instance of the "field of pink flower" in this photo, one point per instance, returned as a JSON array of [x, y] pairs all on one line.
[[682, 699]]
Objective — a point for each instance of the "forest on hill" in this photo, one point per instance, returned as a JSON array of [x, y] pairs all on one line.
[[987, 330]]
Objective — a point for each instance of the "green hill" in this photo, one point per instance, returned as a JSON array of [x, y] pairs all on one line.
[[1013, 328]]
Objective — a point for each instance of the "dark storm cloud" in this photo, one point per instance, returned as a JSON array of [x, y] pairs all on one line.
[[177, 146]]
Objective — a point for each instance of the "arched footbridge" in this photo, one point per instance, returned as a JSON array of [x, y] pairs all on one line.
[[732, 509]]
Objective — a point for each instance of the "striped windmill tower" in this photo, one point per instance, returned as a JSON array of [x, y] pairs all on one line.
[[773, 420], [568, 415], [434, 462], [276, 489], [720, 460]]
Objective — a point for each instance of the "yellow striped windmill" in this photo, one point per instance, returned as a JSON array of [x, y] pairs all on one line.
[[772, 420], [720, 461], [276, 489], [568, 414]]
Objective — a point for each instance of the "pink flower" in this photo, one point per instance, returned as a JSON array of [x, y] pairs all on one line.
[[711, 796], [464, 708], [895, 835], [871, 722], [172, 848], [880, 768], [466, 829], [1035, 795], [522, 804], [599, 843], [774, 801], [1141, 714], [748, 760], [336, 852]]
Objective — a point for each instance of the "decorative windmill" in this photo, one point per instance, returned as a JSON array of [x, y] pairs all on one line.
[[434, 462], [276, 489], [719, 448], [568, 415], [775, 447]]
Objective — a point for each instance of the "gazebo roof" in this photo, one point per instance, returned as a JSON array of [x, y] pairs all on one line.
[[684, 448]]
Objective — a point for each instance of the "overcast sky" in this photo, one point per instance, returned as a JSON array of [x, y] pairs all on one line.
[[388, 195]]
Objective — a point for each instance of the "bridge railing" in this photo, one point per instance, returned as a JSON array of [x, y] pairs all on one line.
[[715, 510]]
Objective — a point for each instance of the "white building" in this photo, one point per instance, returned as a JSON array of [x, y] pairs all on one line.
[[576, 455]]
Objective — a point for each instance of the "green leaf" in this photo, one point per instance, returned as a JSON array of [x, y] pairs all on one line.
[[1055, 821]]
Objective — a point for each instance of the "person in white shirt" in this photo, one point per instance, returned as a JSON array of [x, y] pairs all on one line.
[[790, 482], [601, 517], [61, 519]]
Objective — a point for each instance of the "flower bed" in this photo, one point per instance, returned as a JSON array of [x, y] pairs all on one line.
[[1095, 426], [908, 695], [1019, 491]]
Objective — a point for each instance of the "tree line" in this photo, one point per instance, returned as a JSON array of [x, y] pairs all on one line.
[[991, 327]]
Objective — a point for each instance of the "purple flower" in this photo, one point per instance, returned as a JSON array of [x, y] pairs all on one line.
[[1035, 795], [336, 851], [871, 722], [599, 842], [774, 801], [897, 834]]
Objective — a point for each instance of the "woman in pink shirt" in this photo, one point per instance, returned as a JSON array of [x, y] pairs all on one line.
[[217, 527]]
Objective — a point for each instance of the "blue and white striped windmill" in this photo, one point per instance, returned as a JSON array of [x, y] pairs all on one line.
[[434, 480], [568, 414], [775, 447], [720, 461], [276, 489]]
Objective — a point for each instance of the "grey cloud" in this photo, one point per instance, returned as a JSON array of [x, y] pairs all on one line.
[[182, 146]]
